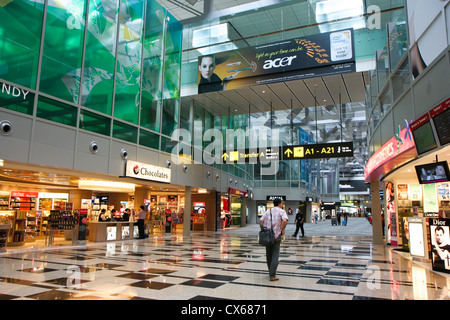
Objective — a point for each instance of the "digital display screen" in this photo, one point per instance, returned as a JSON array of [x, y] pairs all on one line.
[[441, 123], [424, 138], [433, 172]]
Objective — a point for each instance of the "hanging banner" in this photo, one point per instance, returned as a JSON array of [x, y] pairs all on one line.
[[430, 203], [299, 58]]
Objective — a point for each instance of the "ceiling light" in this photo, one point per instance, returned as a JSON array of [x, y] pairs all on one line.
[[347, 14], [212, 35], [107, 186]]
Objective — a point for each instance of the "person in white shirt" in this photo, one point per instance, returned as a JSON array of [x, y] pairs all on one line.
[[277, 219]]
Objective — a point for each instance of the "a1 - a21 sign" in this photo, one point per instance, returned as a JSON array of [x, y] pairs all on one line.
[[316, 151], [297, 152]]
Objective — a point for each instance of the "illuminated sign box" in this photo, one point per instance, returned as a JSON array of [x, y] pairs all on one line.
[[316, 151], [145, 171]]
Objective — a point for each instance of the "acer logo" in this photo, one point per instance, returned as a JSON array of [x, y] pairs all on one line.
[[279, 62]]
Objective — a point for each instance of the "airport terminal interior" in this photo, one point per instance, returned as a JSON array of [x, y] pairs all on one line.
[[141, 142]]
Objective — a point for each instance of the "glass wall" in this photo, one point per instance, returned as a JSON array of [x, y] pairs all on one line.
[[19, 56], [63, 50], [104, 66]]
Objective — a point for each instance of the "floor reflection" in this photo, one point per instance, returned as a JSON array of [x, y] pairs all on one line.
[[220, 265]]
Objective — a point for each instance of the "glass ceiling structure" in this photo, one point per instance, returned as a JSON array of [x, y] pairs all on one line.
[[222, 25]]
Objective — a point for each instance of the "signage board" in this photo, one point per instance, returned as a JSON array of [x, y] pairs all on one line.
[[297, 152], [316, 151], [417, 237], [441, 118], [292, 59], [440, 244], [423, 134], [145, 171], [272, 198], [251, 155]]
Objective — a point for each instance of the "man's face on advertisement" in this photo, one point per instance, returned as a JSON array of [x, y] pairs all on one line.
[[439, 237]]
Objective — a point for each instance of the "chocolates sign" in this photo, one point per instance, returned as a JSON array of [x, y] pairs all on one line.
[[145, 171]]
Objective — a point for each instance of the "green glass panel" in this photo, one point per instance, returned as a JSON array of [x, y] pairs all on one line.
[[63, 48], [20, 36], [185, 116], [95, 123], [149, 139], [17, 99], [98, 74], [169, 116], [172, 63], [57, 111], [129, 53], [125, 132], [152, 67], [167, 144]]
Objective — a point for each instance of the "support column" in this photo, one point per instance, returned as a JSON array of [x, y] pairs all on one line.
[[376, 213], [244, 212], [187, 211], [140, 194]]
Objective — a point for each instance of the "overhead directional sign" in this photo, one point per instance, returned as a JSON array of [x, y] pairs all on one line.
[[298, 152], [316, 151], [251, 155]]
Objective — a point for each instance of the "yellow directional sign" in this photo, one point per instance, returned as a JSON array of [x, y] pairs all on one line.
[[251, 155], [288, 152], [299, 152], [234, 155], [315, 151]]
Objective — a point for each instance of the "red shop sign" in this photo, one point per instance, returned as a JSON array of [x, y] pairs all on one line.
[[25, 194]]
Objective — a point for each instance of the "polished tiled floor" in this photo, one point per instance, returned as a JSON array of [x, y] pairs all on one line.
[[330, 262]]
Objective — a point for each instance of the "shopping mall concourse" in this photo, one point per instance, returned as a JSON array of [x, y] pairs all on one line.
[[142, 141]]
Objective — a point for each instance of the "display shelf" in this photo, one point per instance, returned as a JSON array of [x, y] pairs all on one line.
[[22, 203], [18, 230], [30, 232], [62, 220], [4, 232], [42, 223]]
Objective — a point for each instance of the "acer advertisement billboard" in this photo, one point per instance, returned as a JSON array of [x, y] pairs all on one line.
[[298, 58]]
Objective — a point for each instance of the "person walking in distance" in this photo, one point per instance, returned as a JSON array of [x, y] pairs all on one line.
[[140, 222], [299, 220], [277, 219]]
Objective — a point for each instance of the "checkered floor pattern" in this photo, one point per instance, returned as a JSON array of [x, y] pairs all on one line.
[[219, 265]]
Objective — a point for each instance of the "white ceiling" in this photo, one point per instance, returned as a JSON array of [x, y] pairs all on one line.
[[329, 90]]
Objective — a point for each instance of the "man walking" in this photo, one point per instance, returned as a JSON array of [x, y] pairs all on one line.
[[275, 219], [299, 220]]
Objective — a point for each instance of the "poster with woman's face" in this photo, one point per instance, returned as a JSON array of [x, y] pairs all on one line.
[[390, 213]]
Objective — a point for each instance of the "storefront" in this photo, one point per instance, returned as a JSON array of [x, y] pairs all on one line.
[[263, 206], [329, 209], [289, 206], [416, 193], [238, 208], [224, 209]]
